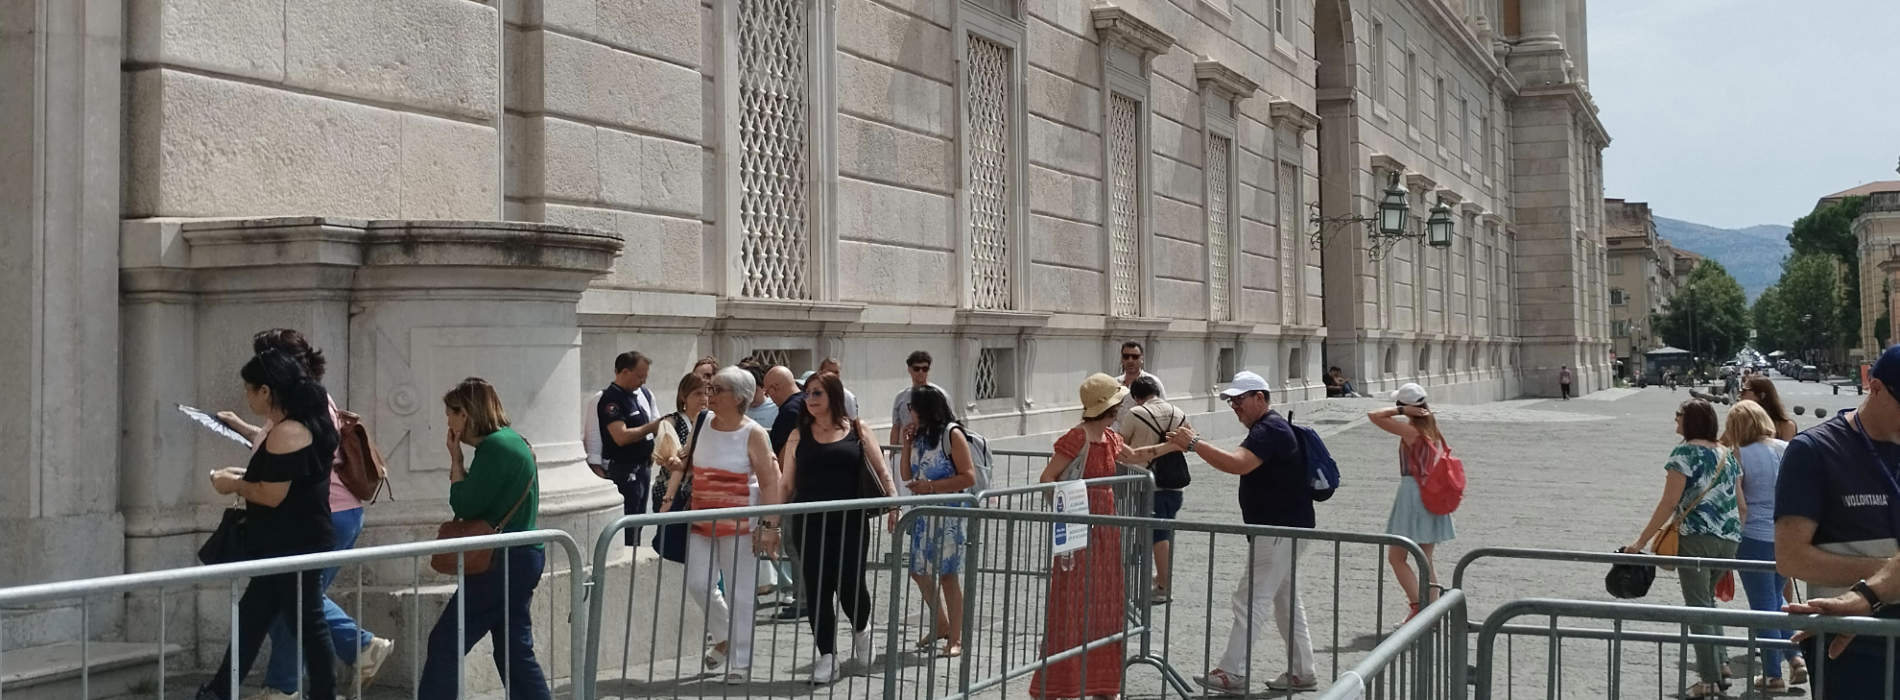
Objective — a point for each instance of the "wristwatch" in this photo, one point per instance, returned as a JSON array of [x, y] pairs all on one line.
[[1193, 442], [1874, 604]]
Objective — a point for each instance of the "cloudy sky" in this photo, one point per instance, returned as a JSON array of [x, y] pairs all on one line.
[[1733, 113]]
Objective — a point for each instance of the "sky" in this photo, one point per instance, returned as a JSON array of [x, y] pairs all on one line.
[[1733, 113]]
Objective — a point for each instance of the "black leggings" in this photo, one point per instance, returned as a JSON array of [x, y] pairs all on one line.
[[832, 548], [266, 598]]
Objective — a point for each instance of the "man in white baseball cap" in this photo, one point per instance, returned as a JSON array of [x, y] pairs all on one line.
[[1274, 490]]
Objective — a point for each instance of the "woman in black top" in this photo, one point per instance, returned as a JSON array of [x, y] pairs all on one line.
[[286, 489], [823, 462]]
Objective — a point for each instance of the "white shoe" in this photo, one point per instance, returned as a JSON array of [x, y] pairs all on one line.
[[1288, 681], [739, 676], [825, 671], [272, 694], [714, 658], [370, 659], [1222, 683], [861, 649]]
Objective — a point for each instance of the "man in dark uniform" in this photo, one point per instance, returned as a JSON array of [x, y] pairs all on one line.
[[627, 425]]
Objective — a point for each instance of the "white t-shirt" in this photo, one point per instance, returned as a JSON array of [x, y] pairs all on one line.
[[590, 428], [900, 408]]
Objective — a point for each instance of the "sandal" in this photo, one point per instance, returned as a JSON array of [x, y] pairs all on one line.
[[928, 643], [952, 650], [714, 657], [1797, 671], [1702, 690], [1770, 685]]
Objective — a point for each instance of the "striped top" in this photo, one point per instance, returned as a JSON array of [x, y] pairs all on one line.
[[723, 478]]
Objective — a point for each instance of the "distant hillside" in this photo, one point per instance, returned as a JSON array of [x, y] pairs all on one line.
[[1753, 255]]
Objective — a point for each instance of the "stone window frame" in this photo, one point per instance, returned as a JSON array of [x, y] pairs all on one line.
[[1411, 95], [1127, 45], [1376, 77], [1291, 123], [1221, 91], [970, 352], [1011, 32], [822, 212]]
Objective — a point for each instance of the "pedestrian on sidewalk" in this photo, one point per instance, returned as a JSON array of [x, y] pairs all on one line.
[[1087, 593], [1149, 423], [1833, 525], [1752, 435], [1420, 446], [823, 462], [1563, 381], [1274, 490], [285, 487], [628, 424], [1701, 501], [354, 646], [733, 467], [1134, 363], [935, 458]]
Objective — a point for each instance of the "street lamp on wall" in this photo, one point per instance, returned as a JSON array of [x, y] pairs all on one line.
[[1438, 228], [1392, 224], [1392, 209]]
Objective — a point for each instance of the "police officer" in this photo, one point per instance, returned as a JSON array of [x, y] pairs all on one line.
[[627, 425]]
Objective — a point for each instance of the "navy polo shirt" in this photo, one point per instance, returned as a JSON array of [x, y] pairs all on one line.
[[618, 405], [1829, 476], [1277, 492]]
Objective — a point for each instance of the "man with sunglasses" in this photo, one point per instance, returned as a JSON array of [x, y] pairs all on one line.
[[1836, 519], [1274, 490], [1134, 362], [919, 366]]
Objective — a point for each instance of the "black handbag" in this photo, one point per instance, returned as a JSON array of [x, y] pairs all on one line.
[[1628, 581], [227, 543], [670, 540], [1171, 469]]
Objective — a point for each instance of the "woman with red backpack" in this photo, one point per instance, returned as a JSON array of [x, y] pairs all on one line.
[[1431, 482]]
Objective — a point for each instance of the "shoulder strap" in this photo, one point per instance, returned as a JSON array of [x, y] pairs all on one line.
[[1721, 462], [535, 465], [692, 441], [1149, 421]]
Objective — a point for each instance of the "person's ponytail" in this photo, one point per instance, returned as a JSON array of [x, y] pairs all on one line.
[[294, 392]]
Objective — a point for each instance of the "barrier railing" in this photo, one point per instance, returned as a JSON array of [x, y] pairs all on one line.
[[1878, 636], [1013, 554], [89, 592], [1414, 662]]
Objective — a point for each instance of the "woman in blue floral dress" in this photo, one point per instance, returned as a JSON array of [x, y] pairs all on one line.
[[936, 459]]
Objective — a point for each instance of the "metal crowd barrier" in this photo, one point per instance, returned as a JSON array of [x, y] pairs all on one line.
[[1616, 674], [1414, 662], [88, 592]]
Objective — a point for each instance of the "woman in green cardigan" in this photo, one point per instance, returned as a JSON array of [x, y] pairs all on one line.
[[498, 486]]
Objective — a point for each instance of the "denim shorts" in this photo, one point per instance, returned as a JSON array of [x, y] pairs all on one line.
[[1167, 506]]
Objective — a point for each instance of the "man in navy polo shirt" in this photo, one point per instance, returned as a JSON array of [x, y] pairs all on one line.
[[1274, 490], [627, 423], [1836, 518]]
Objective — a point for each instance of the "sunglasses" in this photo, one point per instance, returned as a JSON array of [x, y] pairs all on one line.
[[920, 368], [1131, 356]]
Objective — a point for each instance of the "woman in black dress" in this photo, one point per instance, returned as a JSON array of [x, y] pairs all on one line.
[[286, 489], [823, 462]]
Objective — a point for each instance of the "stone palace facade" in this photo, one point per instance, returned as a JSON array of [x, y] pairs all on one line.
[[434, 189]]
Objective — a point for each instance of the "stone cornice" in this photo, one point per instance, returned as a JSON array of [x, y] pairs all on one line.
[[1491, 217], [1229, 81], [978, 319], [1385, 163], [1418, 181], [1471, 209], [788, 310], [1450, 197], [1580, 104], [1114, 23], [1288, 111], [1461, 36]]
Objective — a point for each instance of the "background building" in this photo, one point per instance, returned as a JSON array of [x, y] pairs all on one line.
[[1641, 272], [1878, 231], [433, 189]]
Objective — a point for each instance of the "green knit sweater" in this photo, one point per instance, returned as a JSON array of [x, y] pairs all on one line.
[[503, 466]]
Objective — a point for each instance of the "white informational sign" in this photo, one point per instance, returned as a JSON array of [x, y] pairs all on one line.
[[1071, 497]]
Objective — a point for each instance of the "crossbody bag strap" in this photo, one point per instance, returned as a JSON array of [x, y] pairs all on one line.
[[1149, 421], [1721, 462], [536, 479]]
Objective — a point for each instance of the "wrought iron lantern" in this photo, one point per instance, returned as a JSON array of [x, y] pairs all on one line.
[[1438, 229], [1392, 209]]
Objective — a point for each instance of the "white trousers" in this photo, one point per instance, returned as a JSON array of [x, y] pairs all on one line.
[[1268, 585], [732, 558]]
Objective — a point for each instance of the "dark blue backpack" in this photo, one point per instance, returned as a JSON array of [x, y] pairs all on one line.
[[1321, 470]]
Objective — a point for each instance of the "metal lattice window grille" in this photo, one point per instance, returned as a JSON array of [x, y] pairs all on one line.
[[774, 145], [1124, 118], [775, 358], [989, 139], [1219, 152], [995, 373], [1292, 294]]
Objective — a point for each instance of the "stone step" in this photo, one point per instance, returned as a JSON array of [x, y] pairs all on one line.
[[54, 671]]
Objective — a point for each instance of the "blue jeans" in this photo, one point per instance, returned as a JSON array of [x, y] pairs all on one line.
[[497, 603], [282, 672], [1764, 593]]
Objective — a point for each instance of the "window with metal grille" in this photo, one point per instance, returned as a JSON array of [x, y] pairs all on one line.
[[1124, 144], [988, 104], [795, 360], [995, 373], [1219, 153], [1618, 297], [774, 154]]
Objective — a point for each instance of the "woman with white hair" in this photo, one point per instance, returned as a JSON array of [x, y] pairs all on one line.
[[732, 467], [1420, 446]]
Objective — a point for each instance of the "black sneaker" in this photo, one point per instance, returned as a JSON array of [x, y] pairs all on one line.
[[791, 612]]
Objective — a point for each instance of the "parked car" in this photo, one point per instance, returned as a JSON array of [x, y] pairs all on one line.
[[1808, 373]]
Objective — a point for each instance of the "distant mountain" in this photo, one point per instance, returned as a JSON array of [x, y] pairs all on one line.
[[1752, 255]]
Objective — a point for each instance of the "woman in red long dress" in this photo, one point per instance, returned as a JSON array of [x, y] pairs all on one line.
[[1086, 590]]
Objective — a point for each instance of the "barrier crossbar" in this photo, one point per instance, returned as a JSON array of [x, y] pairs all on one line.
[[1409, 658]]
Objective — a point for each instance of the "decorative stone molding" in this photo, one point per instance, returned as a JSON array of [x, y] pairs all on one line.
[[788, 310], [1289, 112], [1450, 197], [1492, 218], [1132, 324], [1116, 24], [983, 320], [1230, 82], [1419, 182], [1383, 163], [1470, 209]]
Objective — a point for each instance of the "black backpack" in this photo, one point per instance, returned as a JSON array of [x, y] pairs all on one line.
[[1171, 469]]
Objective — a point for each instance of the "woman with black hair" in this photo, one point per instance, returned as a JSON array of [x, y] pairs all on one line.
[[286, 492], [936, 459]]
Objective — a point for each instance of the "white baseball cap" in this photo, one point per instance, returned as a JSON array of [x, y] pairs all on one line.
[[1245, 382], [1410, 395]]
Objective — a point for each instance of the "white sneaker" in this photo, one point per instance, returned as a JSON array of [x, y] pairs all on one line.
[[861, 649], [370, 660], [1288, 681], [739, 676], [825, 671], [1218, 682]]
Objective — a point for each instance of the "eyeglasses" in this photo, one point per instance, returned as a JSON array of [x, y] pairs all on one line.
[[920, 368], [820, 393], [1235, 400], [715, 390], [1131, 356]]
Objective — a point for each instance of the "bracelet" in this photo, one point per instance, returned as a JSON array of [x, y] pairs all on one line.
[[768, 527]]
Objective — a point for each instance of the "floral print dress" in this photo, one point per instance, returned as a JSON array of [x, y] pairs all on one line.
[[936, 543]]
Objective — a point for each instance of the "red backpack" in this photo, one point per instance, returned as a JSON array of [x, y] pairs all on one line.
[[1442, 485]]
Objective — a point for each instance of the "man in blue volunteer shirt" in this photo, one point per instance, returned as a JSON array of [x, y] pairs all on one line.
[[627, 424], [1274, 490], [1836, 519]]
